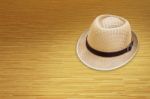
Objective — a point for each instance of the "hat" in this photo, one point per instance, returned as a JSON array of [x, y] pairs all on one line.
[[108, 44]]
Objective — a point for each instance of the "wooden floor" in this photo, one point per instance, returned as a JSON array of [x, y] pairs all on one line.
[[38, 50]]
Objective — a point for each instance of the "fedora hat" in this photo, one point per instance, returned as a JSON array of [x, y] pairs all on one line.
[[108, 44]]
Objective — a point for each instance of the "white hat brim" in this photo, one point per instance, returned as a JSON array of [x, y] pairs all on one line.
[[103, 63]]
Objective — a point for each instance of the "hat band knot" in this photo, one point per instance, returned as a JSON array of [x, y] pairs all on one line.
[[108, 54]]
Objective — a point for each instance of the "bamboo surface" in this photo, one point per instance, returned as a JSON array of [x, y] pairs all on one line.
[[38, 50]]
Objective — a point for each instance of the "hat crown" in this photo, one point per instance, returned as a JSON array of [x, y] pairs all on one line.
[[109, 33]]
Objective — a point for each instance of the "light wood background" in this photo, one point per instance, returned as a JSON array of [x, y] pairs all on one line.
[[38, 56]]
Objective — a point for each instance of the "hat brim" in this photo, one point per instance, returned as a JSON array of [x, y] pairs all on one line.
[[103, 63]]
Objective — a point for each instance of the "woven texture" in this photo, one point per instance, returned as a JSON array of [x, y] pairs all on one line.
[[109, 33]]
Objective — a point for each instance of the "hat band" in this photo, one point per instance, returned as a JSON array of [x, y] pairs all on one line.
[[108, 54]]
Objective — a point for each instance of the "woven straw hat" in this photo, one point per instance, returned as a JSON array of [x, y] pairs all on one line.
[[108, 44]]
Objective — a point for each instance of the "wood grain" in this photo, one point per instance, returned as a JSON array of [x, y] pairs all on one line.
[[38, 57]]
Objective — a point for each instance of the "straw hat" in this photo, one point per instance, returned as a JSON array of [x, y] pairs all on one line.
[[108, 44]]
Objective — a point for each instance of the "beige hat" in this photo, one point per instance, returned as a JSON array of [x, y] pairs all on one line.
[[108, 44]]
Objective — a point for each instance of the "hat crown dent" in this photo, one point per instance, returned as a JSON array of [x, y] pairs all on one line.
[[109, 33], [111, 22]]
